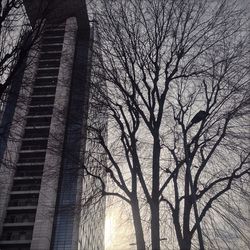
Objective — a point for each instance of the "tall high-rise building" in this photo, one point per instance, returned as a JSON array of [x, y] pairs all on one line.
[[41, 177]]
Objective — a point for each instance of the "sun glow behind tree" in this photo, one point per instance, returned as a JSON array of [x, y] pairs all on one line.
[[119, 232]]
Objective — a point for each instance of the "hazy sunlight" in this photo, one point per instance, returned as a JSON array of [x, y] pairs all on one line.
[[118, 230]]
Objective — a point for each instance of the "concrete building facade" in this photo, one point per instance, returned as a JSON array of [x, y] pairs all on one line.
[[41, 181]]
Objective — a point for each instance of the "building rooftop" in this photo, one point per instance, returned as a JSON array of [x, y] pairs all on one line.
[[57, 10]]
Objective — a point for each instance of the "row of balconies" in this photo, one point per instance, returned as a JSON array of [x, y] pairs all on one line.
[[21, 210], [18, 228]]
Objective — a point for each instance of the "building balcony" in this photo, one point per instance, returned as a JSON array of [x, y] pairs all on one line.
[[26, 185], [44, 91], [31, 154], [53, 40], [32, 151], [51, 47], [54, 33], [42, 105], [29, 164], [39, 100], [28, 191], [49, 65], [19, 224], [34, 146], [20, 218], [50, 55], [22, 208], [39, 121], [14, 242], [27, 171], [36, 132], [47, 72], [34, 111], [23, 203], [27, 178], [41, 81], [38, 116]]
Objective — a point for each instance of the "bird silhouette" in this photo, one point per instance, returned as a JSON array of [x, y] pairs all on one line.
[[201, 115]]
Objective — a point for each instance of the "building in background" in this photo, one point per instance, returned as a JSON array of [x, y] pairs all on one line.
[[41, 177]]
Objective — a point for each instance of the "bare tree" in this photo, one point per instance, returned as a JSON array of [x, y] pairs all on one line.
[[18, 36], [14, 41], [163, 62]]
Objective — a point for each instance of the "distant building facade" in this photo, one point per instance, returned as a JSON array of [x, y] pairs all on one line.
[[41, 174]]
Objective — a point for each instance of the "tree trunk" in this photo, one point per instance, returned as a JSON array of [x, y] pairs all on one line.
[[186, 244], [155, 224], [140, 242]]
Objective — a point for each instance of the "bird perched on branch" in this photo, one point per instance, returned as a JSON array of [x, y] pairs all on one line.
[[200, 116]]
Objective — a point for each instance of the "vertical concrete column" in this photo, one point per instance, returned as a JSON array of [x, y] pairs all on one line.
[[42, 231], [10, 158], [77, 236], [92, 217]]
